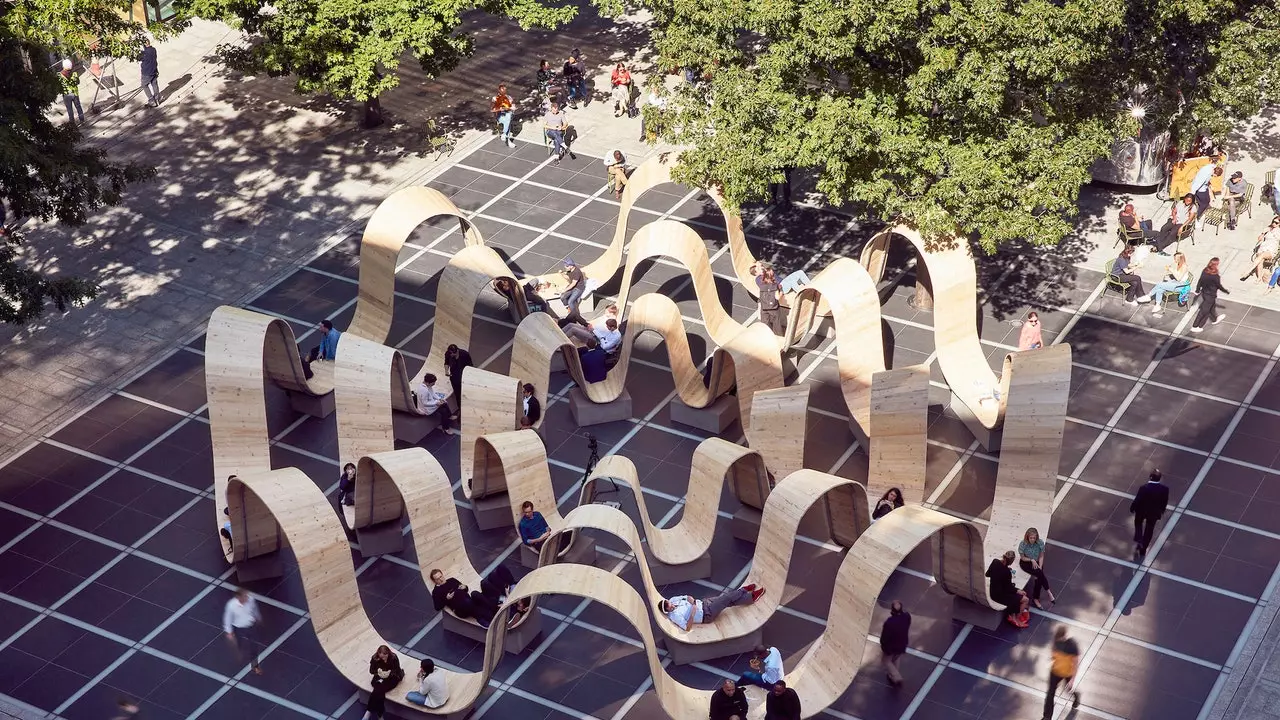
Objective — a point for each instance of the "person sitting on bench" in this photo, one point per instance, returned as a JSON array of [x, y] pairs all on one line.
[[686, 611], [729, 703], [608, 336], [326, 350], [595, 361], [432, 691], [575, 287], [384, 666], [347, 485], [1004, 592], [482, 604], [225, 531], [534, 529], [432, 402]]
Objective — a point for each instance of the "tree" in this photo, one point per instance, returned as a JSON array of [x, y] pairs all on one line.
[[45, 169], [352, 49], [969, 119]]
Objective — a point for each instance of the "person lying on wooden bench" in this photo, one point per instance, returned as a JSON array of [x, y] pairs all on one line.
[[686, 611], [481, 605]]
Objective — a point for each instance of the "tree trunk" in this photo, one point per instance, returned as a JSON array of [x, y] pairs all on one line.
[[372, 113], [923, 299]]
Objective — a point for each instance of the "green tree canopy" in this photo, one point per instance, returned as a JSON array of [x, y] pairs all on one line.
[[352, 49], [46, 171], [968, 118]]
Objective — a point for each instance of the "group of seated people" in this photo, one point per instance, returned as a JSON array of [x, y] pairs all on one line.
[[598, 342], [782, 703], [1002, 590], [1177, 279], [384, 669]]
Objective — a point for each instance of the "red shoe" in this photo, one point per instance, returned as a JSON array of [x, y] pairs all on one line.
[[757, 594], [1016, 622], [749, 588]]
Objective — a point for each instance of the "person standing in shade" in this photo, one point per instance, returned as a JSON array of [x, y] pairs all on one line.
[[240, 619], [502, 110], [782, 703], [1208, 287], [1062, 668], [456, 360], [384, 667], [575, 80], [432, 402], [1031, 560], [150, 74], [70, 80], [766, 668], [729, 702], [1030, 337], [770, 313], [893, 641], [532, 408], [1148, 507], [432, 691], [621, 82]]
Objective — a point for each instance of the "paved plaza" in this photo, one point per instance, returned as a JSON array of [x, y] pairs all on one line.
[[112, 585]]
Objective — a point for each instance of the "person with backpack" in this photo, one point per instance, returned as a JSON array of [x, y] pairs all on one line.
[[1062, 668]]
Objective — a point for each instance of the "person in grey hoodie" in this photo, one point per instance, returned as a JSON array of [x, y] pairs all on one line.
[[150, 74]]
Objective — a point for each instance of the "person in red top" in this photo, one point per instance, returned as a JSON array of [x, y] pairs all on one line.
[[621, 82], [502, 109]]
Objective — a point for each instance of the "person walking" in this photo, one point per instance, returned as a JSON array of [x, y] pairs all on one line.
[[70, 80], [502, 110], [1208, 287], [240, 619], [1031, 560], [1148, 507], [150, 74], [770, 314], [621, 82], [1062, 669], [456, 360], [893, 641]]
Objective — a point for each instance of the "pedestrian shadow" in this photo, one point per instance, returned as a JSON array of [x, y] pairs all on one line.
[[177, 84]]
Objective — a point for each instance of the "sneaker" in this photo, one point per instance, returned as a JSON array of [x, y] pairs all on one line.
[[750, 588], [1144, 299], [1157, 308], [1197, 330], [757, 594], [1131, 302], [1075, 700], [511, 143], [1220, 318]]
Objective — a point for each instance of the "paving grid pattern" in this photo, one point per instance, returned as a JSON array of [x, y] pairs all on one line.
[[110, 583]]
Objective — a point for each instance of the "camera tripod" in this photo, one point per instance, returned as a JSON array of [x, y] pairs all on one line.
[[594, 485]]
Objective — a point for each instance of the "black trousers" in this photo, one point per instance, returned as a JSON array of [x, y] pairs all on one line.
[[1041, 582], [1135, 285], [1208, 310], [377, 706], [1144, 526], [1054, 682], [1167, 236]]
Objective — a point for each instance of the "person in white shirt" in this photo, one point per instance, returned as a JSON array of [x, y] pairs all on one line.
[[432, 690], [239, 621], [608, 336], [1268, 249], [1182, 213], [766, 668], [686, 611], [432, 402], [1202, 188]]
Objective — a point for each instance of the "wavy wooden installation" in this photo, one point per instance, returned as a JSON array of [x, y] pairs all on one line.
[[329, 581], [955, 321], [491, 404], [389, 227]]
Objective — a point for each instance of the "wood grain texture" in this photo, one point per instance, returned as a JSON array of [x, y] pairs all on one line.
[[391, 224], [491, 403]]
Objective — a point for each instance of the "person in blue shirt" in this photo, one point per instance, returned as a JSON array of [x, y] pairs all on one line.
[[326, 350], [533, 527]]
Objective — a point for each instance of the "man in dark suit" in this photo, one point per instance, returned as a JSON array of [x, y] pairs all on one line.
[[893, 641], [1148, 507], [532, 408]]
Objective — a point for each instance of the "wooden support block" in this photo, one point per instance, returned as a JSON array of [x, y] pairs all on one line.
[[411, 428], [815, 524], [381, 539], [684, 653], [261, 567], [492, 512], [965, 611], [587, 413], [746, 524], [582, 551], [518, 638], [714, 418], [664, 574], [320, 406]]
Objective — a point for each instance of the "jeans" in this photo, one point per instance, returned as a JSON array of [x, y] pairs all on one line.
[[1233, 202], [73, 101], [504, 121], [151, 87], [557, 141], [1202, 203], [1146, 227], [416, 698], [1164, 286], [751, 677], [793, 281], [1275, 276], [571, 298]]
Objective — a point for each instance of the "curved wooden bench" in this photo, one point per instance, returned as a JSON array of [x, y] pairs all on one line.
[[385, 234]]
